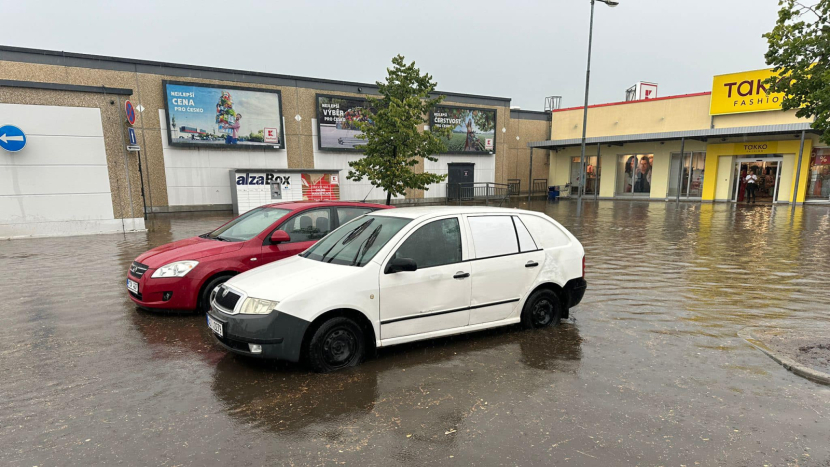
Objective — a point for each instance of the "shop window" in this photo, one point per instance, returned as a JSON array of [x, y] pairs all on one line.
[[592, 173], [691, 178], [818, 186], [634, 174]]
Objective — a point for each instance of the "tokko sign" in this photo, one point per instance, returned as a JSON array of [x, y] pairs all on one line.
[[743, 92]]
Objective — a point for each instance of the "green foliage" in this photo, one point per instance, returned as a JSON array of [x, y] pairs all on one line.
[[394, 144], [799, 50], [457, 141], [258, 137], [483, 121]]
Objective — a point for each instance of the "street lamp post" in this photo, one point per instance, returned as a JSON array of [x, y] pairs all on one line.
[[581, 187]]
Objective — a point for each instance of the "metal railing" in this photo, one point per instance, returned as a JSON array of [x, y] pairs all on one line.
[[477, 191], [539, 186], [514, 186]]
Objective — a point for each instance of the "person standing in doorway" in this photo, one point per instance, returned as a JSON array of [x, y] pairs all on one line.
[[751, 186]]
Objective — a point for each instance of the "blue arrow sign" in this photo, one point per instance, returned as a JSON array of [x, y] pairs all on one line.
[[12, 138], [132, 137]]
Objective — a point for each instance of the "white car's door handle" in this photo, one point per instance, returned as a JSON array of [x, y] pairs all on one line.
[[531, 264], [461, 275]]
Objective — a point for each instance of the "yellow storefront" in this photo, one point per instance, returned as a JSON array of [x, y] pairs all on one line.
[[633, 149]]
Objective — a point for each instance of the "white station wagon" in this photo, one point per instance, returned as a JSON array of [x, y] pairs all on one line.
[[402, 275]]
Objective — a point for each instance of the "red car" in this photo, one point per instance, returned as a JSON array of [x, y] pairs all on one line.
[[181, 275]]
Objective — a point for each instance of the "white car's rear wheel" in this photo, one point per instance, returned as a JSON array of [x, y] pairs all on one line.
[[543, 308]]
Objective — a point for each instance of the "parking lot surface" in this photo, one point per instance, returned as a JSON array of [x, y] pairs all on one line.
[[649, 370]]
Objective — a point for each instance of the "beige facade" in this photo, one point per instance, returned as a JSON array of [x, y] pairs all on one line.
[[105, 82], [717, 148]]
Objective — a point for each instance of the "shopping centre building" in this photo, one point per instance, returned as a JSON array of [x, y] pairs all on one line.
[[210, 139], [634, 148], [217, 139]]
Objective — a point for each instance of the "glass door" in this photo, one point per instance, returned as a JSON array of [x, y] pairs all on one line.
[[592, 173], [690, 180], [767, 177]]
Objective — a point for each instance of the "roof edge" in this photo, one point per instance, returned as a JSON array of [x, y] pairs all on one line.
[[152, 63], [639, 101]]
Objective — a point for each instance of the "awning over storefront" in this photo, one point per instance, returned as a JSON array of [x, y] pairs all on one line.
[[762, 130]]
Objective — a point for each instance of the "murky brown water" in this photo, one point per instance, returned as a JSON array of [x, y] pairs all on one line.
[[649, 372]]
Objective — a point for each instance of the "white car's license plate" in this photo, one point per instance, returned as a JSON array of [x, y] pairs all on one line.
[[132, 286], [215, 326]]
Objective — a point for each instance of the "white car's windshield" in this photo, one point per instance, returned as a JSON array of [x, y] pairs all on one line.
[[248, 225], [356, 242]]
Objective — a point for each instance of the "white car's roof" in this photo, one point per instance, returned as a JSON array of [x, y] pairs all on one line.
[[431, 211]]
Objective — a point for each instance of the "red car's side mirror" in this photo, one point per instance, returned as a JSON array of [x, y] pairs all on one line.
[[280, 236]]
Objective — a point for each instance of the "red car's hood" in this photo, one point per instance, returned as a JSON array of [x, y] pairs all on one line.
[[189, 248]]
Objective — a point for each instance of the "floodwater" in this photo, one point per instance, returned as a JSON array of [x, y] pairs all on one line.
[[650, 370]]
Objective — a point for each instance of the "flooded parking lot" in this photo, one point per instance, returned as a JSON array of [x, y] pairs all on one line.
[[649, 370]]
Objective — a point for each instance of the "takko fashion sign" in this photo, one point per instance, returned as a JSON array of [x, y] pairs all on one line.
[[760, 147], [743, 92]]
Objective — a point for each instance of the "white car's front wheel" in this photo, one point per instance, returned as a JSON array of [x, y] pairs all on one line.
[[338, 343]]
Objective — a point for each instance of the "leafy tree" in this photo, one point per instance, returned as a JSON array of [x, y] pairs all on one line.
[[799, 51], [393, 143]]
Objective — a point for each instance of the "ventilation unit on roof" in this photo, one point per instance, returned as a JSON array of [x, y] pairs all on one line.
[[641, 91], [553, 103]]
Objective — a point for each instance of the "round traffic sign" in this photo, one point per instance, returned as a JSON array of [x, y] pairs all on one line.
[[12, 138], [130, 111]]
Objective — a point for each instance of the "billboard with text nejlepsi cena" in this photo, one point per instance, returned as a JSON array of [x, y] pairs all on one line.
[[223, 116], [473, 131]]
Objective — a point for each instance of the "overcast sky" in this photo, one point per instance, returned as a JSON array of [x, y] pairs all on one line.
[[521, 49]]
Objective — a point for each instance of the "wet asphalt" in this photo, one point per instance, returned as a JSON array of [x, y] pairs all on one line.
[[649, 371]]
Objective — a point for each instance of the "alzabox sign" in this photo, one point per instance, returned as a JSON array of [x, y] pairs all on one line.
[[262, 179]]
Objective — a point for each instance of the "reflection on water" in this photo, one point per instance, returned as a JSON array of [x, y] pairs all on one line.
[[650, 356], [286, 397], [719, 266]]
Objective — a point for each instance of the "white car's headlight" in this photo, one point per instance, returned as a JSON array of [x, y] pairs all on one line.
[[177, 269], [257, 306]]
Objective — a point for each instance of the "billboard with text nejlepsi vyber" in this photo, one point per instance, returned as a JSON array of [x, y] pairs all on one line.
[[337, 121], [223, 116]]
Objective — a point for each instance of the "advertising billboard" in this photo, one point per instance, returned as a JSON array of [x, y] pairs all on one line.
[[743, 92], [223, 116], [337, 119], [473, 130]]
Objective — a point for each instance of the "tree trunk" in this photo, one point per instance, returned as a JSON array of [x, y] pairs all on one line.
[[389, 193]]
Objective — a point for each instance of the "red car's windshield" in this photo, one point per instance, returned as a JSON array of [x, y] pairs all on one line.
[[248, 225]]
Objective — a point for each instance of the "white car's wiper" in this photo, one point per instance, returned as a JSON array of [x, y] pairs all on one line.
[[348, 239], [361, 251]]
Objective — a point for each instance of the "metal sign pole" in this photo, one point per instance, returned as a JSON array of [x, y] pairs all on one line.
[[596, 173], [680, 170], [579, 189], [530, 177], [141, 177], [798, 170]]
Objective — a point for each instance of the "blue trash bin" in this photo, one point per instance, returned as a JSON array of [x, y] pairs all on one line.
[[553, 193]]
